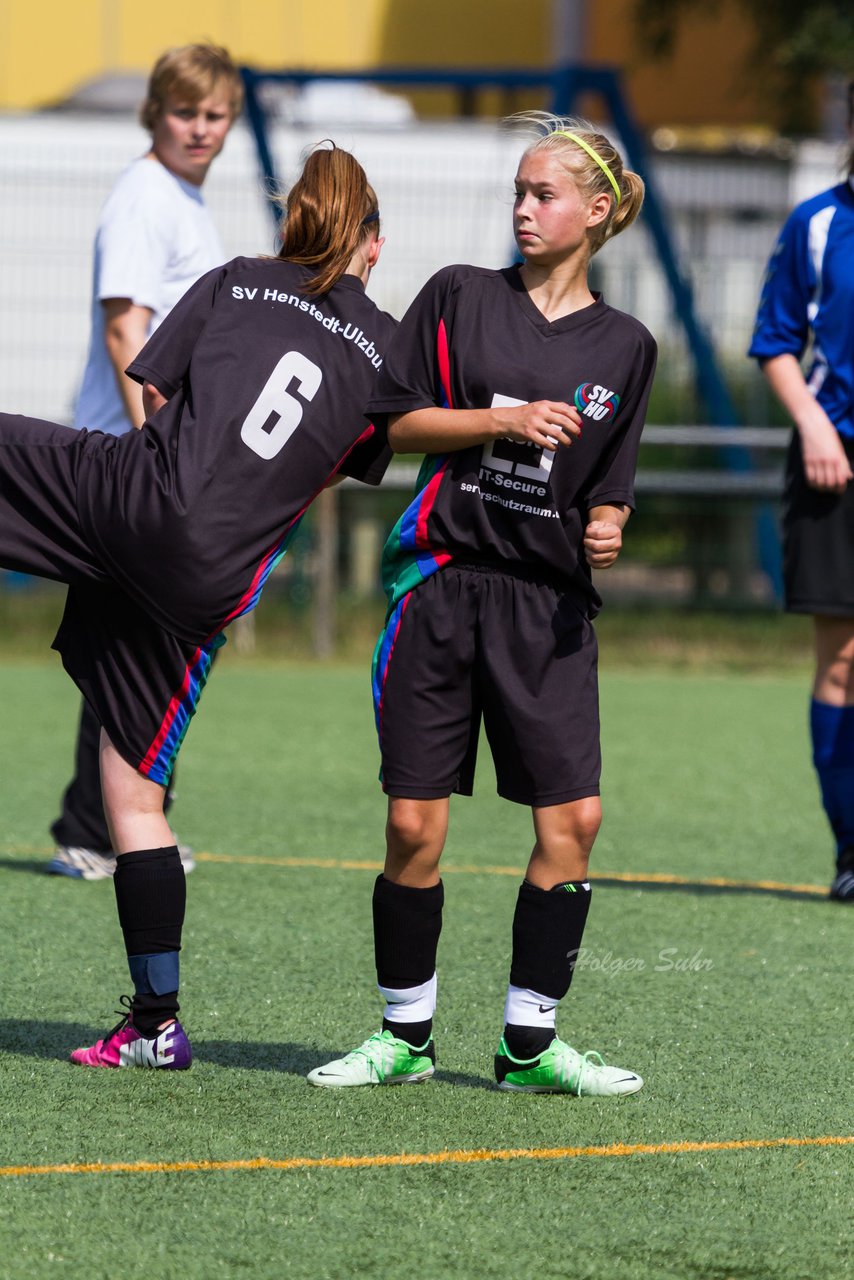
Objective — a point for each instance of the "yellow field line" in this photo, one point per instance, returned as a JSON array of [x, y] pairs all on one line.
[[408, 1159], [625, 877], [357, 864]]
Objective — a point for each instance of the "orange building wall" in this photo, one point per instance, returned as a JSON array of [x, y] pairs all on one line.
[[48, 49], [705, 82]]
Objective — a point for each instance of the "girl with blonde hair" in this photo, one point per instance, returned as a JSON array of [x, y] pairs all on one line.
[[527, 393]]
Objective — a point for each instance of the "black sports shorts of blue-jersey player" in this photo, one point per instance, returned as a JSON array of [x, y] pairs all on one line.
[[527, 392], [808, 303], [165, 535]]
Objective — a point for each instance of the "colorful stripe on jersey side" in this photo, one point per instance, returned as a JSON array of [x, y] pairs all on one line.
[[159, 760], [277, 552], [382, 658], [408, 558], [443, 355]]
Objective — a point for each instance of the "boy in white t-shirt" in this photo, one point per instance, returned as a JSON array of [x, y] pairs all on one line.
[[155, 237]]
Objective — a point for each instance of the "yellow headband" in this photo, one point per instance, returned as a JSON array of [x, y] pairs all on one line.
[[594, 155]]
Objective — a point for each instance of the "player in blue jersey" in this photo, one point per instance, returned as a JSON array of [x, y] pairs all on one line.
[[255, 386], [808, 303], [528, 393]]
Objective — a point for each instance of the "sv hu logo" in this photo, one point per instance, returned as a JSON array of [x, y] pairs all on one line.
[[596, 402]]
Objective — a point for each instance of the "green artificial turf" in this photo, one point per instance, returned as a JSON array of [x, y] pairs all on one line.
[[731, 1000]]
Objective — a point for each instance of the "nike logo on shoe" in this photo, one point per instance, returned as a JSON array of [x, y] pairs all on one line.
[[153, 1052]]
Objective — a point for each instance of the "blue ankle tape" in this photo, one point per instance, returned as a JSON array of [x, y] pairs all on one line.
[[155, 975]]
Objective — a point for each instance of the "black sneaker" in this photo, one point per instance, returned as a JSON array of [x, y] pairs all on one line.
[[842, 889]]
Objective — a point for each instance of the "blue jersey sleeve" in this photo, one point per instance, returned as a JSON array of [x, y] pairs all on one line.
[[782, 321]]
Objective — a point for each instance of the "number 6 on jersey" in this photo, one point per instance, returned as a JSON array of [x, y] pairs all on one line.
[[276, 402]]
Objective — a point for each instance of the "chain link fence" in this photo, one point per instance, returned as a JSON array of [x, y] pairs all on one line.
[[446, 193]]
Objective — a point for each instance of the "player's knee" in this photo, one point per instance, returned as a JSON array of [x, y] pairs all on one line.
[[412, 828], [406, 831], [835, 679], [585, 821], [835, 656]]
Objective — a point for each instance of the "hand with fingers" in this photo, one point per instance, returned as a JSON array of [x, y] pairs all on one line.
[[825, 463], [603, 541], [547, 423]]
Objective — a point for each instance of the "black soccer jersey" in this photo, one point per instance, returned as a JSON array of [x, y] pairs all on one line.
[[472, 339], [267, 390]]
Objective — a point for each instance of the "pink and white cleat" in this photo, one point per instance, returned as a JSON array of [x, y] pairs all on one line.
[[168, 1050]]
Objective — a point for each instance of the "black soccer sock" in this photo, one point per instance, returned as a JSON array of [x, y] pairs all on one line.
[[415, 1034], [407, 925], [151, 895], [548, 926], [525, 1043]]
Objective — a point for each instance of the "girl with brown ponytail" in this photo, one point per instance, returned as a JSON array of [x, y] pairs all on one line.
[[254, 389], [331, 212]]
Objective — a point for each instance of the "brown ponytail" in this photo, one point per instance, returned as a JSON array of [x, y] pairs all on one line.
[[329, 210]]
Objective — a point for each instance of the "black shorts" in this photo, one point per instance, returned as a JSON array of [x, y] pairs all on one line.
[[141, 681], [818, 542], [476, 642], [40, 529]]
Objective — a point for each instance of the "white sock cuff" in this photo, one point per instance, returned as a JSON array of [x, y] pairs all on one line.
[[410, 1004], [526, 1008]]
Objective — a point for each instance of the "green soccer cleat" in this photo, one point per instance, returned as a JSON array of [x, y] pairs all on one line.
[[562, 1069], [382, 1059]]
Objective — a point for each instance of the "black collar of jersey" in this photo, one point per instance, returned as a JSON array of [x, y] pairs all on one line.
[[576, 318], [347, 281], [350, 282]]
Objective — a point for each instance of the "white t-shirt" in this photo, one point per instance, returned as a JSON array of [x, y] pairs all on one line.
[[155, 238]]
